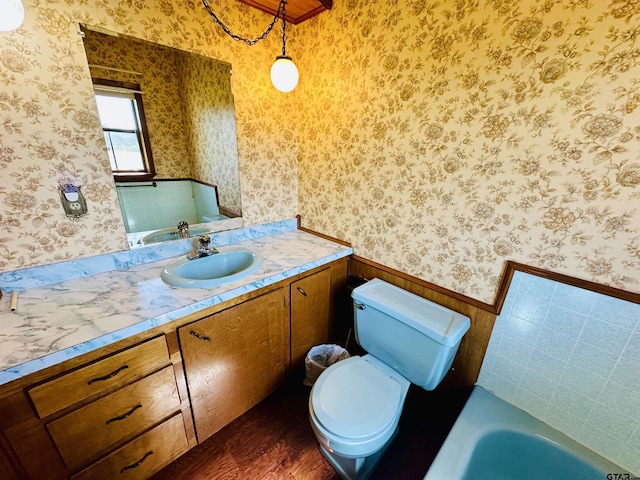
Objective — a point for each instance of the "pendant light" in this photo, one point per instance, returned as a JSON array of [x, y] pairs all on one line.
[[284, 73], [11, 15]]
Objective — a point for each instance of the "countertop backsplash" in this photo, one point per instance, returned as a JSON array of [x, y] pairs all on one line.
[[58, 272]]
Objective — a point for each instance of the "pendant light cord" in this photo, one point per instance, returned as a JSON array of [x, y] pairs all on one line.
[[280, 13], [283, 4]]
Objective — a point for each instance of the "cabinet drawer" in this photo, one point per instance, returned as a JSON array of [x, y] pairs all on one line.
[[100, 426], [141, 457], [99, 377]]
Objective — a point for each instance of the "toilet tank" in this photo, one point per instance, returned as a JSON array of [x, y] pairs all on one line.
[[417, 338]]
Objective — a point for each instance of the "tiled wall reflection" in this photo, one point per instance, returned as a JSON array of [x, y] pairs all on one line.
[[205, 200], [150, 208], [571, 358]]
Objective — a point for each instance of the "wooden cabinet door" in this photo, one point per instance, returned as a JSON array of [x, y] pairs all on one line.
[[310, 315], [234, 359], [8, 473]]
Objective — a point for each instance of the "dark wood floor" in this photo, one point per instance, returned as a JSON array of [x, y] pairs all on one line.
[[274, 441]]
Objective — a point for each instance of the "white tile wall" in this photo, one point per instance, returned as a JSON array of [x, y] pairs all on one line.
[[163, 206], [571, 358], [205, 200]]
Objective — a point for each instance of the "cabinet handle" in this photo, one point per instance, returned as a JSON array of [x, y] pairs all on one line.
[[138, 463], [107, 377], [302, 291], [201, 337], [122, 417], [359, 306]]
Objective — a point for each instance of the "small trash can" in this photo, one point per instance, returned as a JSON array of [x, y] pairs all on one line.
[[319, 358]]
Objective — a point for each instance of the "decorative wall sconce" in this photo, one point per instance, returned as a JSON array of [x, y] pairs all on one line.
[[11, 15], [284, 73]]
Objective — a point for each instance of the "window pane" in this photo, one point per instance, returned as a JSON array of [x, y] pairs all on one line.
[[112, 158], [116, 112], [125, 150]]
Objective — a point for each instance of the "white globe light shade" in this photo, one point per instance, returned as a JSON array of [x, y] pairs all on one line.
[[284, 74], [11, 15]]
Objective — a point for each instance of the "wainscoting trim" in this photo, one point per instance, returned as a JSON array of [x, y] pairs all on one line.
[[511, 267]]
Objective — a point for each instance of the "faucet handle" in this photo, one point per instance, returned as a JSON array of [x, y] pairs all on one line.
[[203, 249], [183, 229], [204, 241]]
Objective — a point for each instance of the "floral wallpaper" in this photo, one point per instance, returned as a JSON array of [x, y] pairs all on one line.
[[442, 140], [49, 123], [447, 137], [211, 125], [159, 82]]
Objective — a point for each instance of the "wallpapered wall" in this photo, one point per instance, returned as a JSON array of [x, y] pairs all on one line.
[[50, 125], [211, 125], [443, 138]]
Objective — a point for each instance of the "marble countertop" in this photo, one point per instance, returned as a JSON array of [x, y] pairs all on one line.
[[56, 322]]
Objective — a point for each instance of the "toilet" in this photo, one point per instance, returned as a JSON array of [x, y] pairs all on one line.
[[355, 405]]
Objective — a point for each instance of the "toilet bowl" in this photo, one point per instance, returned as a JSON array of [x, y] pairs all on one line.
[[355, 405], [354, 409]]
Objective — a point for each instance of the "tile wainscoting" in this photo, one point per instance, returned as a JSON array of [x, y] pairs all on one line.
[[570, 357]]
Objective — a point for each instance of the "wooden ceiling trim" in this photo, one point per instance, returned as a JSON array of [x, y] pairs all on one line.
[[297, 10]]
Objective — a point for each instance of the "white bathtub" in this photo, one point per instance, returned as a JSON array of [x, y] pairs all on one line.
[[493, 440]]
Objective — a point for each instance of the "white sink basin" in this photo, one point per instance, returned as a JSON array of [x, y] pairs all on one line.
[[230, 264], [172, 234]]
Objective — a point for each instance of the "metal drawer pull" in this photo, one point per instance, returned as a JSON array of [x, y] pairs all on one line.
[[107, 377], [122, 417], [302, 291], [359, 306], [201, 337], [138, 463]]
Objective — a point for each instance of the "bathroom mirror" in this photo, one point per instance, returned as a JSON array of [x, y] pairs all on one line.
[[187, 108]]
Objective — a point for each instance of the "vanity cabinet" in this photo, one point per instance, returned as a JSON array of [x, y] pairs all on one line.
[[235, 358], [310, 315], [97, 428], [119, 413], [94, 429], [130, 408], [8, 472]]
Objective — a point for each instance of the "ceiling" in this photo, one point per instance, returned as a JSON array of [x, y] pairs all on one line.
[[297, 10]]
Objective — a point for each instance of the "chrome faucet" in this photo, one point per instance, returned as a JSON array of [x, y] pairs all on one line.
[[204, 249], [183, 229]]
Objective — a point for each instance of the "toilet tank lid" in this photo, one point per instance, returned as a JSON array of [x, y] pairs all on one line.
[[440, 323]]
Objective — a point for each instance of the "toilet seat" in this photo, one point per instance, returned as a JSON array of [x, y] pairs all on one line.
[[355, 399]]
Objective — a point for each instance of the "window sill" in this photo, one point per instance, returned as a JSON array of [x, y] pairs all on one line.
[[143, 177]]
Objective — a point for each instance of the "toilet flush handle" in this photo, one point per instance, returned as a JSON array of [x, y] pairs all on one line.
[[359, 306]]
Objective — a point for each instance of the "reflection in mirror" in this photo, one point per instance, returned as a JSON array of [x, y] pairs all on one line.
[[189, 118]]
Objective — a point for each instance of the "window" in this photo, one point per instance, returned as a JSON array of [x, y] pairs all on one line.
[[125, 131]]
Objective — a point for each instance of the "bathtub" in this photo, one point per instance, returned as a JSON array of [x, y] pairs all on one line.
[[493, 440]]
